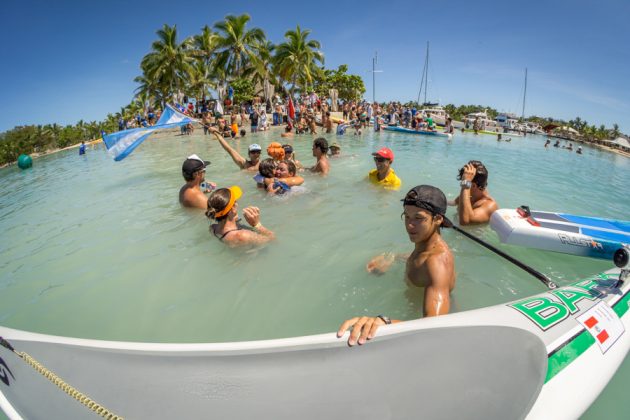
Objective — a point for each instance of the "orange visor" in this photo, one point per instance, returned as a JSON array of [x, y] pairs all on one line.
[[235, 194]]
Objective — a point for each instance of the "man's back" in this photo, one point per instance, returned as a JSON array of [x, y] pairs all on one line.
[[192, 197]]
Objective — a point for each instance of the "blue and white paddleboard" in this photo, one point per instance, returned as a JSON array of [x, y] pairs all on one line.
[[413, 131], [561, 232]]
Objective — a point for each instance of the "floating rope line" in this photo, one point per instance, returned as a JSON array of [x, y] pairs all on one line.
[[65, 387]]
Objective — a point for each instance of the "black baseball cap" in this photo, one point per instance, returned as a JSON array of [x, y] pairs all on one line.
[[429, 198], [194, 163]]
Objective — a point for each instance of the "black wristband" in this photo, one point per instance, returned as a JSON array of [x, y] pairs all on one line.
[[385, 319]]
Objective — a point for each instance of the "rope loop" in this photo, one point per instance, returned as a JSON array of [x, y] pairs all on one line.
[[68, 389]]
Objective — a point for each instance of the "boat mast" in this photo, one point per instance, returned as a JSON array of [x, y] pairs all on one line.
[[524, 95], [425, 76], [374, 71], [374, 77]]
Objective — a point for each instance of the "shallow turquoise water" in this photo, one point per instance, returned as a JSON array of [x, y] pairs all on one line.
[[101, 249]]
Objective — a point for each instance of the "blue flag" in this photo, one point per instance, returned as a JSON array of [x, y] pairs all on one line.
[[120, 144]]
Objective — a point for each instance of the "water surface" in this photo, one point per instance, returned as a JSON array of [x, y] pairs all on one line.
[[101, 249]]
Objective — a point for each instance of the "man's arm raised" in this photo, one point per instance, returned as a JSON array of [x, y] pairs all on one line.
[[236, 157], [469, 215]]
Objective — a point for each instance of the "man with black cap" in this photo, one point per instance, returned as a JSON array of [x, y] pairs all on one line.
[[431, 264], [194, 171], [253, 153], [474, 204]]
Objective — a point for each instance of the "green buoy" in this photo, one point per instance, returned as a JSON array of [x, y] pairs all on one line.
[[24, 162]]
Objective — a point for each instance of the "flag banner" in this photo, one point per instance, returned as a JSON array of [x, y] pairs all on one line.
[[120, 144], [603, 324], [291, 109]]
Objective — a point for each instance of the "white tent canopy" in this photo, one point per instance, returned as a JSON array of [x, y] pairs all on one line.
[[566, 129]]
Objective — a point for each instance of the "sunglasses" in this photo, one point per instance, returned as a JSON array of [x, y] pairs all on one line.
[[380, 159], [255, 152]]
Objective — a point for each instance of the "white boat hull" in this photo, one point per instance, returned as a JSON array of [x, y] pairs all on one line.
[[505, 361]]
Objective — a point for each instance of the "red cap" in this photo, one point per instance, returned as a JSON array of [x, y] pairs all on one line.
[[386, 153]]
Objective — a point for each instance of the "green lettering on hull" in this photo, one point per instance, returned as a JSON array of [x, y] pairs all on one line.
[[543, 311]]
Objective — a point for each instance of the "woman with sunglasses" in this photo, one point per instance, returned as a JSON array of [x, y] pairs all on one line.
[[223, 207], [384, 175]]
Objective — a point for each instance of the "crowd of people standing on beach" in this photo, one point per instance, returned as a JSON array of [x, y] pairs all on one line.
[[430, 265]]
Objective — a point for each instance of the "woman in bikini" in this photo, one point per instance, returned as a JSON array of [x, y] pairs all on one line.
[[223, 207]]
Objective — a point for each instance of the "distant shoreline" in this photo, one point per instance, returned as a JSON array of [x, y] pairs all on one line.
[[176, 130]]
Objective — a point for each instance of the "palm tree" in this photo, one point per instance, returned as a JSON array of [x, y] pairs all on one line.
[[166, 66], [260, 69], [199, 79], [148, 89], [614, 133], [576, 124], [236, 44], [52, 131], [205, 45], [295, 58]]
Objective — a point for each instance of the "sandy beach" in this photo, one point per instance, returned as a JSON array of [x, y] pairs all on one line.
[[167, 133]]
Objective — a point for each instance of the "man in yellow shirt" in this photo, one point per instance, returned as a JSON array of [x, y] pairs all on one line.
[[384, 175]]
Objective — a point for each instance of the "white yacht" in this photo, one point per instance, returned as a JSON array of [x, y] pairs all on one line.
[[482, 119], [437, 113], [507, 121]]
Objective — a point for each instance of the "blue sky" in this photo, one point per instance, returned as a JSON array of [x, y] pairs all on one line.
[[64, 61]]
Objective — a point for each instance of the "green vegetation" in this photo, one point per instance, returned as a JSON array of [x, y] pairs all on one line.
[[42, 138], [350, 87], [243, 90], [228, 54]]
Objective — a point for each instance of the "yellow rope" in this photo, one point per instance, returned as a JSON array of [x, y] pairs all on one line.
[[68, 389]]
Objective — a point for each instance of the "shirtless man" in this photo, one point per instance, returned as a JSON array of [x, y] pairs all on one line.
[[328, 123], [288, 131], [205, 122], [431, 264], [253, 153], [194, 171], [320, 150], [474, 204]]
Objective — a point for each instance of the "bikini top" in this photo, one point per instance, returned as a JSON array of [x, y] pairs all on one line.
[[239, 226]]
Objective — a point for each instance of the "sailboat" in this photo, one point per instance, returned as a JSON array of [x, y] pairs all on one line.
[[430, 109], [527, 127]]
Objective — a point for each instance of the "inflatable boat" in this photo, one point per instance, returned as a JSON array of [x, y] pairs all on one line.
[[413, 131], [543, 357], [561, 232]]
